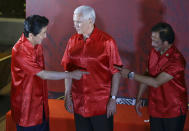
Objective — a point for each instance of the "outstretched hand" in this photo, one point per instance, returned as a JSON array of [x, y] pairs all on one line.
[[77, 74]]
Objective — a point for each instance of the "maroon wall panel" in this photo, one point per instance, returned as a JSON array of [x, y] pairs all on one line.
[[127, 21]]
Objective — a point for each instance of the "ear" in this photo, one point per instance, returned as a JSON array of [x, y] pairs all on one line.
[[31, 37], [90, 21]]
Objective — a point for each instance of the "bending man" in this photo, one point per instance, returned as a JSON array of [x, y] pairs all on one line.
[[29, 95], [165, 80]]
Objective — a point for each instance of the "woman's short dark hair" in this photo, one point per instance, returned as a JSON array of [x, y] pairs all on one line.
[[33, 24], [166, 32]]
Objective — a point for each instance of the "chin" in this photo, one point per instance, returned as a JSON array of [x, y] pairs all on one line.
[[39, 42], [79, 32], [157, 49]]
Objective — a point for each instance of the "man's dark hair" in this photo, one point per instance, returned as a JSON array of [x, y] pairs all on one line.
[[33, 24], [166, 32]]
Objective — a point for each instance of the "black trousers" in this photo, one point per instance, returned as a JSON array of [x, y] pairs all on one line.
[[95, 123], [167, 124]]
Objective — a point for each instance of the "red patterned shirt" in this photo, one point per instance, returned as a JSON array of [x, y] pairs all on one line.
[[28, 92], [97, 55], [170, 99]]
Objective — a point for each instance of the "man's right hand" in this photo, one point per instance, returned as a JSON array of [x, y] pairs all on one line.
[[138, 106], [77, 74], [68, 104]]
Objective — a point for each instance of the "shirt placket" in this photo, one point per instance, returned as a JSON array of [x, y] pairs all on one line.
[[84, 63]]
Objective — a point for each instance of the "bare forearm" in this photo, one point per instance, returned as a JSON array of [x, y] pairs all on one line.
[[150, 81], [115, 84], [53, 75], [154, 82], [141, 91], [68, 98], [68, 86]]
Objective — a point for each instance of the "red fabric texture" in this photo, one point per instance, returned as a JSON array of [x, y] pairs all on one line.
[[170, 99], [28, 92], [97, 55], [125, 119]]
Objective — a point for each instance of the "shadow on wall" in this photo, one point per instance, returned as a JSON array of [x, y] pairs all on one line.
[[151, 13]]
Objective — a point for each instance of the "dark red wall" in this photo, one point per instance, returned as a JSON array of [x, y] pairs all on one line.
[[127, 21]]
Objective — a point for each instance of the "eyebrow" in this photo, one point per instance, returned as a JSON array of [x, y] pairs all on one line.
[[77, 21]]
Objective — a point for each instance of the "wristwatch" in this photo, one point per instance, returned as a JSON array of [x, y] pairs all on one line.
[[113, 97], [131, 75]]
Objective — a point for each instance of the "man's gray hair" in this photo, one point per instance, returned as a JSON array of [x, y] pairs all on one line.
[[86, 11]]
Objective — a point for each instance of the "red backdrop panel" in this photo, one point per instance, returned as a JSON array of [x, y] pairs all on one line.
[[127, 21]]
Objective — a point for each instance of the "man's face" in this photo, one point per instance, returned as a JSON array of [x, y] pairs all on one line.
[[81, 25], [39, 37], [157, 42]]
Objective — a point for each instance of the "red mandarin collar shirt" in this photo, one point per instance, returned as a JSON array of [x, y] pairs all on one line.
[[170, 99], [96, 55], [28, 92]]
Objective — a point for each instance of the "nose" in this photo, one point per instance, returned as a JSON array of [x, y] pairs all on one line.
[[45, 35], [76, 25]]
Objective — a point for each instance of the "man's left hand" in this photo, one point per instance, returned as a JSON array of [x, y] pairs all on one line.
[[111, 107]]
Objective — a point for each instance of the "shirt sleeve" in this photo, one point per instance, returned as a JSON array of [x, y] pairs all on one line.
[[66, 58], [114, 57], [26, 62], [174, 67]]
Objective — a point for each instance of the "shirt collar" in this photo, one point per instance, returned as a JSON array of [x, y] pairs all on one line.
[[92, 36], [168, 52], [27, 43]]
